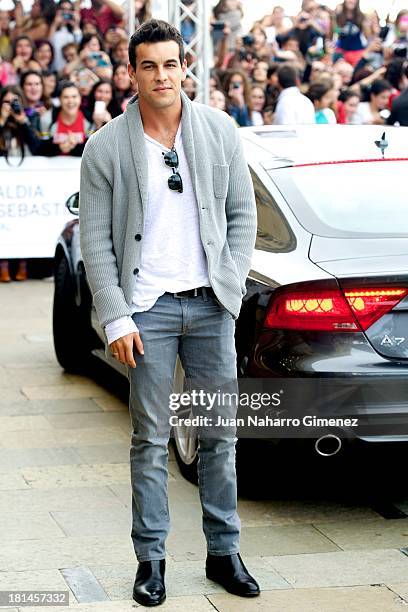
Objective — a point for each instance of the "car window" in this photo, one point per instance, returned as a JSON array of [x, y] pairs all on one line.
[[273, 233], [342, 200]]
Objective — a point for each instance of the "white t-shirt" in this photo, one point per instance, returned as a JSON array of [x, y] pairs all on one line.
[[173, 257]]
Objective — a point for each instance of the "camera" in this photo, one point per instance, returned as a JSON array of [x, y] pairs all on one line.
[[248, 40], [218, 26], [67, 16], [401, 51], [16, 106]]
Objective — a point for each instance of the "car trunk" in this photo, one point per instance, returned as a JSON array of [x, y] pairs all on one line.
[[376, 271]]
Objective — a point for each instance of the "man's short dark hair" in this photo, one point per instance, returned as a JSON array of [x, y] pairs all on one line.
[[287, 76], [154, 31]]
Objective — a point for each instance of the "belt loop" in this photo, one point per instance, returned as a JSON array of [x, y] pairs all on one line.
[[205, 294]]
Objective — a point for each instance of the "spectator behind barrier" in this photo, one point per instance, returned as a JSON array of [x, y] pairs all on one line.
[[238, 92], [36, 25], [69, 129], [372, 112], [292, 106], [64, 30], [321, 94], [258, 100], [102, 106], [122, 85]]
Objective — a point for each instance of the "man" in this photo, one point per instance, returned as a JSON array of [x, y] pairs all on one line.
[[167, 228], [399, 108], [293, 107]]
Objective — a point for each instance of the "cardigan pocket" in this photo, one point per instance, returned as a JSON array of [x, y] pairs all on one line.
[[220, 180]]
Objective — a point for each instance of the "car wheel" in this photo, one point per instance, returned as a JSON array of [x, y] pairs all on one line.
[[69, 330], [185, 441]]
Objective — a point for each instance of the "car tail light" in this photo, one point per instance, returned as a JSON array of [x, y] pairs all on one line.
[[326, 308], [369, 305]]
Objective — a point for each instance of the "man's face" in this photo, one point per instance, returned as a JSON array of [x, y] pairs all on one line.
[[158, 73]]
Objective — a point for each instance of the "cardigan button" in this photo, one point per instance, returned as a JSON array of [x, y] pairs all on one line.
[[136, 271], [138, 237]]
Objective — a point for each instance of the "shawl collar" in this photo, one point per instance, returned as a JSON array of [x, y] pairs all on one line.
[[138, 148]]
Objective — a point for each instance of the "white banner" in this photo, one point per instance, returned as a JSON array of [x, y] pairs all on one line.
[[32, 204]]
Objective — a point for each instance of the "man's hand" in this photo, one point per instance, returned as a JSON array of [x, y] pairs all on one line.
[[122, 349]]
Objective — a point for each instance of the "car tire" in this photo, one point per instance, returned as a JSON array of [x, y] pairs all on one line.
[[184, 439], [71, 336]]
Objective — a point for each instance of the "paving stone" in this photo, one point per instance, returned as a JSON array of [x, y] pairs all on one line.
[[84, 585], [12, 480], [286, 540], [53, 438], [111, 404], [123, 492], [51, 553], [23, 423], [352, 599], [107, 521], [76, 475], [32, 580], [33, 376], [343, 568], [84, 420], [67, 391], [11, 459], [193, 603], [39, 338], [277, 512], [368, 534], [67, 499], [107, 453], [10, 394], [61, 406], [19, 526], [19, 325]]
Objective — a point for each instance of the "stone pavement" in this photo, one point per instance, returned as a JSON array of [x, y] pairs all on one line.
[[65, 503]]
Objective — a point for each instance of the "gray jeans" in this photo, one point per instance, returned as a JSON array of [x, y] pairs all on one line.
[[201, 332]]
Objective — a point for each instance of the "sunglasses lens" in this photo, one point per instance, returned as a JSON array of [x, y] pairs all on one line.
[[171, 159], [175, 182]]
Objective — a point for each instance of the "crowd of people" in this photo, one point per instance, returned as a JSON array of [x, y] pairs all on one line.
[[63, 69], [319, 66]]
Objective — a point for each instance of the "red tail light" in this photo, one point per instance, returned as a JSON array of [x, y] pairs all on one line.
[[369, 305], [326, 308]]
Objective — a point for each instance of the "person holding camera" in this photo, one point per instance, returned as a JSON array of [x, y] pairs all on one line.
[[17, 139], [37, 24], [228, 12], [64, 29], [238, 91]]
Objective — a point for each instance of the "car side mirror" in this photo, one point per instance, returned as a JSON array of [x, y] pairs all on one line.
[[73, 204]]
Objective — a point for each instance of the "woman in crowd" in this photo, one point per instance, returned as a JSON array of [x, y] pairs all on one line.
[[143, 11], [102, 92], [119, 52], [321, 94], [238, 92], [258, 100], [34, 103], [23, 56], [44, 55], [37, 24], [231, 13], [353, 30], [70, 129], [348, 105], [16, 139], [122, 87], [369, 113], [64, 30], [217, 99], [276, 24]]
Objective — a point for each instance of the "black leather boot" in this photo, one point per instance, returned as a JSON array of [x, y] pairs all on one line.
[[230, 572], [149, 589]]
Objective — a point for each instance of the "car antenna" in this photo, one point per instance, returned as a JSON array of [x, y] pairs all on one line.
[[382, 144]]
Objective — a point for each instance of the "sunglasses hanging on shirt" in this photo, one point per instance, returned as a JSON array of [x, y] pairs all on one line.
[[171, 160]]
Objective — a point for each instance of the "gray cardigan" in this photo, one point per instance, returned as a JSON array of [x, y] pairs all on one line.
[[114, 195]]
